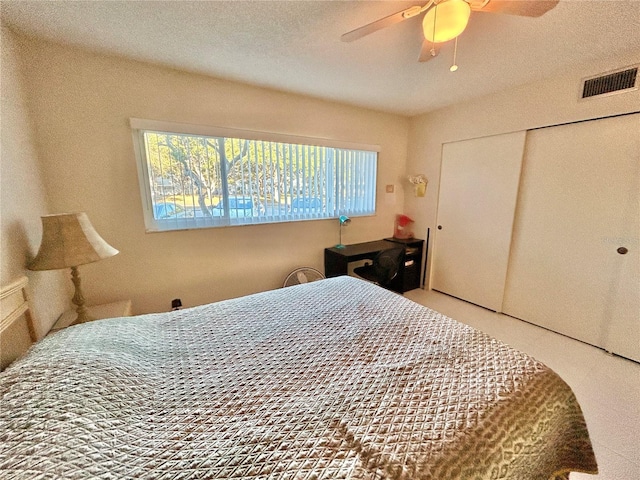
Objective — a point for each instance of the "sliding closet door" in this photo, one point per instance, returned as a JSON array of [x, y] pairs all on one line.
[[575, 264], [478, 189]]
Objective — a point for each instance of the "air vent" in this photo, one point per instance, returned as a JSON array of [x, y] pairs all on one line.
[[612, 82]]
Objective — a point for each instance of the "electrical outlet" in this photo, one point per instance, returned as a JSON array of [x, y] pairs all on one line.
[[390, 188]]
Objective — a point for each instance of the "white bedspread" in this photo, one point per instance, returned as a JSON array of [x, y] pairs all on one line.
[[336, 379]]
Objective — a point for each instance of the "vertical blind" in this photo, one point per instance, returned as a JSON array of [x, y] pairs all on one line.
[[195, 181]]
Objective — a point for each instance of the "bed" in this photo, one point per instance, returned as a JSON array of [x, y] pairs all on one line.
[[335, 379]]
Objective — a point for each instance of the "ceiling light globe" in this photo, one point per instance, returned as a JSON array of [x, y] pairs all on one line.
[[446, 20]]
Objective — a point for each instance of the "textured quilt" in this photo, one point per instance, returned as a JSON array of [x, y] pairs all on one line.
[[336, 379]]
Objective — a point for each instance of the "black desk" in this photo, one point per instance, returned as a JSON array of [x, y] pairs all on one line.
[[336, 260]]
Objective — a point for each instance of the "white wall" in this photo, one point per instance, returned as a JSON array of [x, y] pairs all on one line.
[[543, 103], [23, 196], [80, 104]]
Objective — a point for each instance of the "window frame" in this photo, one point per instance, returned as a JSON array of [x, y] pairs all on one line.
[[140, 126]]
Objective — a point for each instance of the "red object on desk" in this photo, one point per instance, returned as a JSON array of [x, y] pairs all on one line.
[[402, 227]]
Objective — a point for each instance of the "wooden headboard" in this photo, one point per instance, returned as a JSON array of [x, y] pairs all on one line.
[[17, 330]]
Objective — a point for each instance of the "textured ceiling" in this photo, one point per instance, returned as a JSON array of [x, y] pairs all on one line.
[[295, 46]]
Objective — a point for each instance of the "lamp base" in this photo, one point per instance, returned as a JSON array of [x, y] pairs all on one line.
[[78, 298], [82, 316], [339, 245]]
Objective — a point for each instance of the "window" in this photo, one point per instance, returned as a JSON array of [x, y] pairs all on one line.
[[198, 177]]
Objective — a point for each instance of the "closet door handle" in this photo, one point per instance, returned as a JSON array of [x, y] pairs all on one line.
[[439, 227], [622, 250]]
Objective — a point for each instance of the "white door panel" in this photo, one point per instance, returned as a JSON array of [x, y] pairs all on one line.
[[578, 203], [478, 190]]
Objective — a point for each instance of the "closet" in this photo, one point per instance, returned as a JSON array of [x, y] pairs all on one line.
[[573, 265]]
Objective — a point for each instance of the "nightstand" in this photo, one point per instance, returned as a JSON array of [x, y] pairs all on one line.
[[96, 312]]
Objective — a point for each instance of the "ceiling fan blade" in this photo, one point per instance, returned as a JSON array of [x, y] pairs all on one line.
[[382, 23], [524, 8], [429, 50]]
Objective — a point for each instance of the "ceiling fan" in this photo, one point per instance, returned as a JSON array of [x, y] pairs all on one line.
[[446, 19]]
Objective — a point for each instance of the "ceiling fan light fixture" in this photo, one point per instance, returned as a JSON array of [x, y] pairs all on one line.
[[446, 20]]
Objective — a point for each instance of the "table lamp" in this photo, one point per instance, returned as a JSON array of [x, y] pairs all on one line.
[[69, 240], [344, 220]]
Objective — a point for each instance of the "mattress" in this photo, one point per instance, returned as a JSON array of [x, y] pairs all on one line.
[[335, 379]]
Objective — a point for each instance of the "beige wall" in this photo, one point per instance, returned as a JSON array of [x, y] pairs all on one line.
[[80, 104], [22, 196], [538, 104]]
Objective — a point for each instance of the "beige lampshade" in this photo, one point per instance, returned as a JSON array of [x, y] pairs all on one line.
[[69, 240]]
